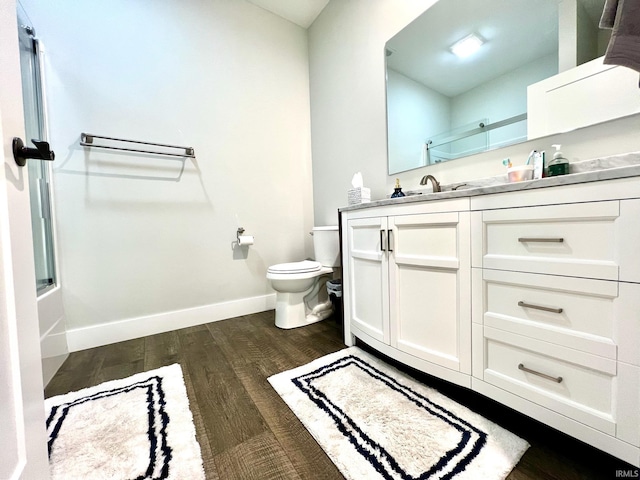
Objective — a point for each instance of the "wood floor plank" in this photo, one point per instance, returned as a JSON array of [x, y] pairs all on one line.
[[228, 413], [241, 339], [208, 459], [161, 350], [267, 357], [79, 370], [122, 352], [308, 458], [259, 458], [121, 360], [299, 345]]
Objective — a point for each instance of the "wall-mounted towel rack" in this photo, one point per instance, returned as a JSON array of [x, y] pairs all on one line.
[[86, 140]]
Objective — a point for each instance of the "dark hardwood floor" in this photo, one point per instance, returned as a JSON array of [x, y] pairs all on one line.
[[247, 432]]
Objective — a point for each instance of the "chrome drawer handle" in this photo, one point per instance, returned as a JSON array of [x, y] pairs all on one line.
[[540, 239], [539, 307], [543, 375]]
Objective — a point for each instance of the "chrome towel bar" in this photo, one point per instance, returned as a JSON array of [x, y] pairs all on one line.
[[86, 140]]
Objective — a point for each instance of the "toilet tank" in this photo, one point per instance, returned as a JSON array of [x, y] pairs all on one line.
[[326, 246]]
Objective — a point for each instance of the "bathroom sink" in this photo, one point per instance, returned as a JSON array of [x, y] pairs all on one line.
[[457, 186], [444, 189], [419, 191]]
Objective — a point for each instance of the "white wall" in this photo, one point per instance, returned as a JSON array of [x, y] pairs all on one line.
[[414, 112], [347, 82], [140, 237], [346, 48], [581, 40]]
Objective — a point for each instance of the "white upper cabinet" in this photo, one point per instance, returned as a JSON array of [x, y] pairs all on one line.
[[585, 95]]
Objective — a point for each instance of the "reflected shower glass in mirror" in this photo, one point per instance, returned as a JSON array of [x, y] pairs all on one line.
[[443, 104]]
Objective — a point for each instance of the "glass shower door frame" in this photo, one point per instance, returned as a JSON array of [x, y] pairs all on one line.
[[31, 59]]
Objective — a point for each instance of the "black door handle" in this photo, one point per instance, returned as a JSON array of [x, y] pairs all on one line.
[[41, 152]]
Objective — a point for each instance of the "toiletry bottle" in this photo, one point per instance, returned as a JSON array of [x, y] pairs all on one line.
[[559, 165], [397, 191], [538, 164]]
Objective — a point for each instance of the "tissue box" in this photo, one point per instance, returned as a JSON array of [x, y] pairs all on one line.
[[358, 195]]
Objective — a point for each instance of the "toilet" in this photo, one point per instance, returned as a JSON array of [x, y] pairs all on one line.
[[301, 294]]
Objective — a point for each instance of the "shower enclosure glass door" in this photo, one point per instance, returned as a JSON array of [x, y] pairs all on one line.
[[34, 118]]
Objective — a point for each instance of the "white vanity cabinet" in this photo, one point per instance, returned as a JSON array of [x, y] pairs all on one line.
[[556, 312], [407, 284], [530, 297]]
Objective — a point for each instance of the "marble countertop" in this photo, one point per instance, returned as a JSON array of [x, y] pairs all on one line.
[[608, 168]]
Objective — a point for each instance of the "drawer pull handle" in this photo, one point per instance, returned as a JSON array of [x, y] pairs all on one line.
[[540, 239], [543, 375], [539, 307], [382, 247]]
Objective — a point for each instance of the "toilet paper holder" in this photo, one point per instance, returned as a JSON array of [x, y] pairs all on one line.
[[244, 240]]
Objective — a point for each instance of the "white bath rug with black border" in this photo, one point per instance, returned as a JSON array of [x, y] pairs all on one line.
[[375, 422], [136, 428]]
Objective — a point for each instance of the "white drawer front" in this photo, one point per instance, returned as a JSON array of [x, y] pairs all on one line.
[[572, 383], [426, 240], [574, 239], [578, 313]]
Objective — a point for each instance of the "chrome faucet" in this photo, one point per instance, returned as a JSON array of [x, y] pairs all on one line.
[[434, 182]]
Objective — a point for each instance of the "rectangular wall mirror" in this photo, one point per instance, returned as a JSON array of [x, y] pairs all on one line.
[[442, 106]]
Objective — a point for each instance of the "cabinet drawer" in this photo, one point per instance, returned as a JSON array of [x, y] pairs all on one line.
[[575, 384], [577, 313], [573, 239]]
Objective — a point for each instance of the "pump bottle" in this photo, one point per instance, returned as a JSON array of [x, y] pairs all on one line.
[[397, 191], [559, 165]]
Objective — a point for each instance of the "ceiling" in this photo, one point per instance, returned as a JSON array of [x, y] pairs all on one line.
[[300, 12]]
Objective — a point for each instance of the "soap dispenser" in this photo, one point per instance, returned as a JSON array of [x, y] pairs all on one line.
[[397, 191], [559, 165]]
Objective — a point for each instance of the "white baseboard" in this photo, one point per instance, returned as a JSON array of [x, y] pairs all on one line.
[[130, 328]]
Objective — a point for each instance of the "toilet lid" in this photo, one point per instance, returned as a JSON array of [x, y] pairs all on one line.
[[306, 266]]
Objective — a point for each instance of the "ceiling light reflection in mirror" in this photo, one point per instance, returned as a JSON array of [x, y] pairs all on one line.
[[467, 46], [441, 107]]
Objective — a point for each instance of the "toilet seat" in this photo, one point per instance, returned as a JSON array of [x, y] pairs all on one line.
[[296, 270], [295, 267]]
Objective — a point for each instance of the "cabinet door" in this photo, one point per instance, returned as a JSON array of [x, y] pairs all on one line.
[[429, 276], [366, 281]]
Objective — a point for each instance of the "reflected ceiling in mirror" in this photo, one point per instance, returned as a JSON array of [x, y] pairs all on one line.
[[441, 107]]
